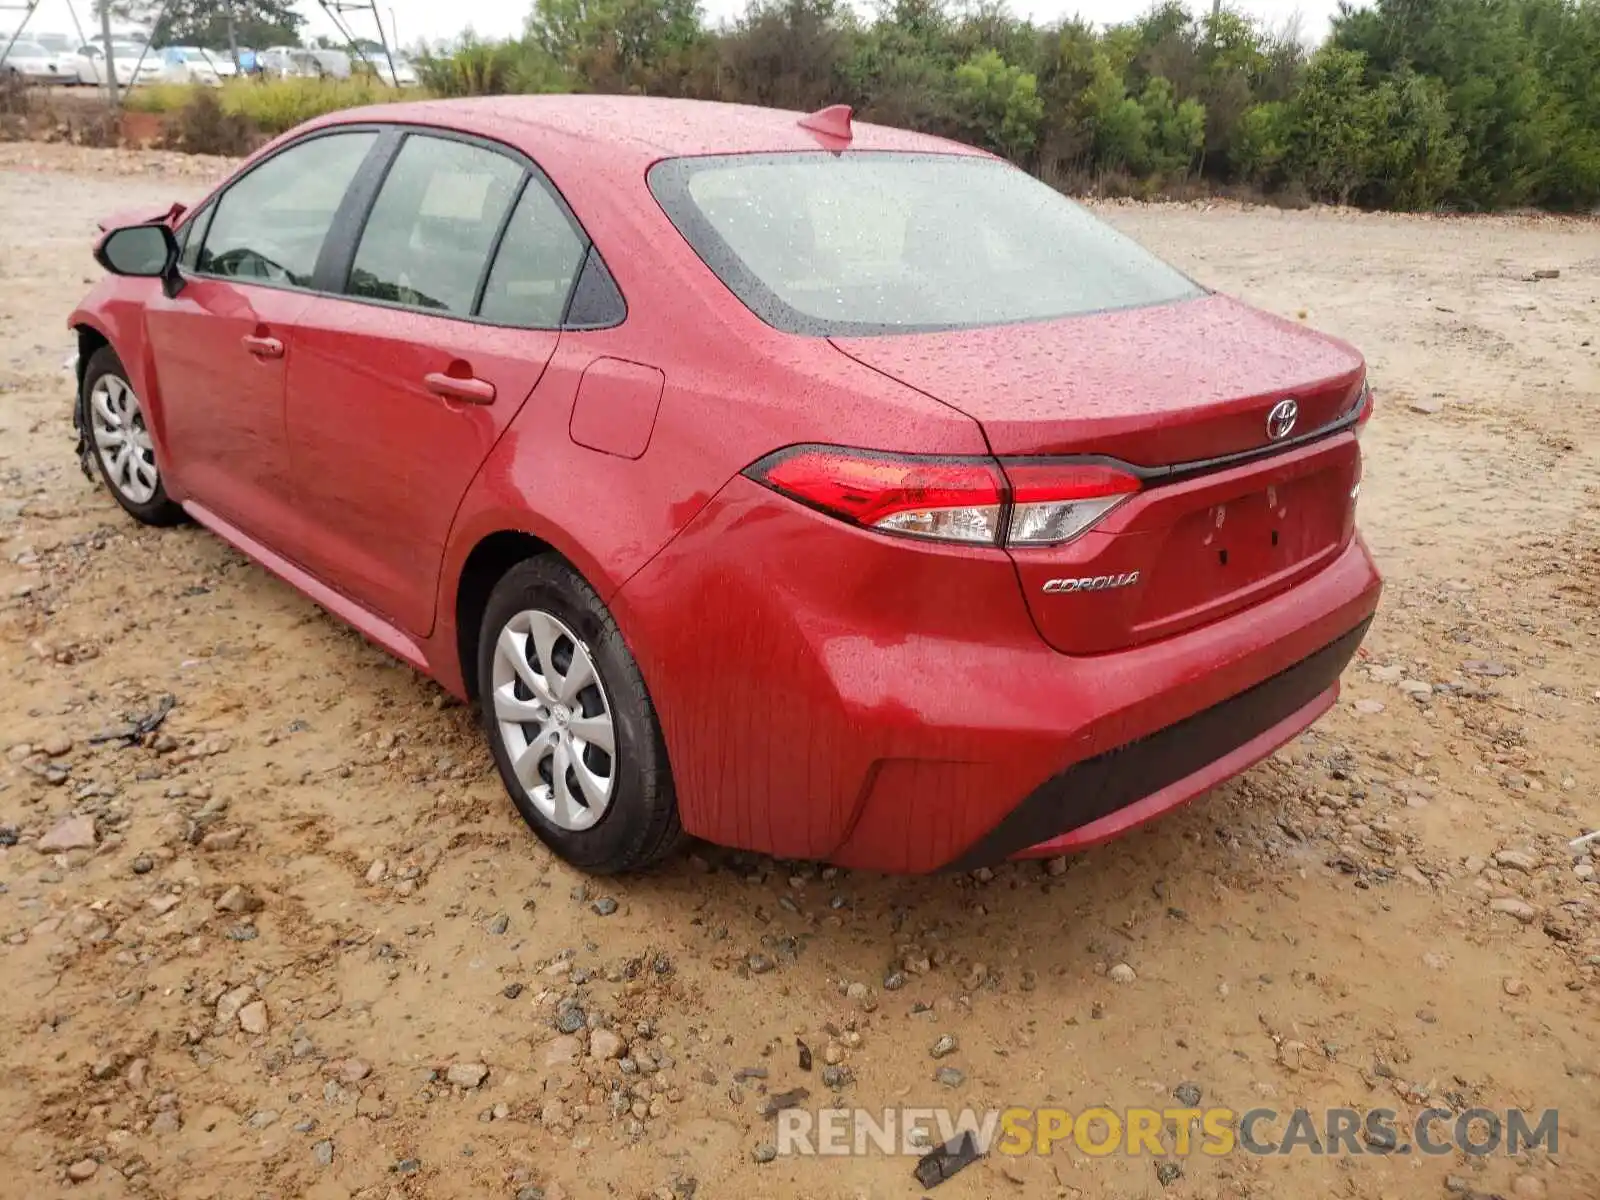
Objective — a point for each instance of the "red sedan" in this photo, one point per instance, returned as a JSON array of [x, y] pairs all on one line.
[[807, 486]]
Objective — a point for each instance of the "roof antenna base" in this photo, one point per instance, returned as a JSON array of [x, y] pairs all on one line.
[[833, 122]]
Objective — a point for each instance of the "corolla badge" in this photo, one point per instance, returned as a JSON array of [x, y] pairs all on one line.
[[1091, 583], [1281, 420]]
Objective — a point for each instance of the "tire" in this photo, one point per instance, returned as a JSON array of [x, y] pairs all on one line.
[[622, 815], [113, 423]]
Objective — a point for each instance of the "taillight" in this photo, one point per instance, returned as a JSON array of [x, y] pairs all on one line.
[[1053, 503], [978, 501], [948, 499], [1363, 407]]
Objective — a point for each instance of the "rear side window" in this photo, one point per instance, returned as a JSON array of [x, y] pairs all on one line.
[[536, 265], [269, 226], [428, 239], [870, 243]]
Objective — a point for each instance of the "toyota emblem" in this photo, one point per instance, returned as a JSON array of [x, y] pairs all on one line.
[[1280, 421]]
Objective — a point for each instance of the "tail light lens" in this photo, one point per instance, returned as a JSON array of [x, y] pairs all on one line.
[[1363, 407], [978, 501], [1053, 503], [950, 500]]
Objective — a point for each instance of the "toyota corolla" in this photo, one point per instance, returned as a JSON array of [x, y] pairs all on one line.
[[804, 485]]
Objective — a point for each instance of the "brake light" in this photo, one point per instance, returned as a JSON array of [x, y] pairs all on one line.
[[1363, 407], [947, 499], [1055, 502], [978, 501]]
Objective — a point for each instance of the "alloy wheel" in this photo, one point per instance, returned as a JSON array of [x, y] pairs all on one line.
[[554, 719], [123, 440]]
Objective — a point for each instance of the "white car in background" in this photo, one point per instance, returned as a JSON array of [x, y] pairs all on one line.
[[288, 62], [27, 60], [64, 49], [404, 74], [189, 64], [222, 63], [331, 64], [91, 63]]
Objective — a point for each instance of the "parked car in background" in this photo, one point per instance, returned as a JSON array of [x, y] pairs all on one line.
[[404, 73], [222, 63], [817, 488], [91, 63], [30, 61], [62, 48], [289, 62], [332, 64], [189, 64]]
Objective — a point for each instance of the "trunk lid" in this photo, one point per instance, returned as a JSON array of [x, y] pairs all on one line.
[[1155, 386], [1175, 385]]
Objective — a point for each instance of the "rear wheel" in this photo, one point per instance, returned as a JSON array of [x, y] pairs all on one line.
[[570, 724], [123, 448]]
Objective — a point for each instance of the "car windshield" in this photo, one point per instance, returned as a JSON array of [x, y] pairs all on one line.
[[26, 50], [54, 43], [868, 243]]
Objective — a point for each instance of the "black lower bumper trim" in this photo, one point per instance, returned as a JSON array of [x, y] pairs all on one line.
[[1101, 785]]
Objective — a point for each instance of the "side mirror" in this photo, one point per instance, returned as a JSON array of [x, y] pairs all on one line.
[[142, 252]]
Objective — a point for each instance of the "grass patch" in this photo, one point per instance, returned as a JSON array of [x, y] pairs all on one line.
[[271, 106]]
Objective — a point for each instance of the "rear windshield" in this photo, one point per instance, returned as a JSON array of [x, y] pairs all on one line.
[[870, 243]]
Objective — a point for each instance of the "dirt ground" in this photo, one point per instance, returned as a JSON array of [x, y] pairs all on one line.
[[307, 899]]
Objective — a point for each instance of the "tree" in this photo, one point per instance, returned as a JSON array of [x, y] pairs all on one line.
[[621, 45], [1334, 121], [998, 105], [1413, 104], [1070, 62], [788, 54], [205, 22]]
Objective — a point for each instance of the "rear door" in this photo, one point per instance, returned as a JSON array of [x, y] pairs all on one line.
[[454, 291], [223, 345]]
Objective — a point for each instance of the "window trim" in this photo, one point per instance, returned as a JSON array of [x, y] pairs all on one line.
[[331, 276]]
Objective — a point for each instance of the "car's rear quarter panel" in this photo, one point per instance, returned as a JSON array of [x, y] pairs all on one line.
[[734, 390]]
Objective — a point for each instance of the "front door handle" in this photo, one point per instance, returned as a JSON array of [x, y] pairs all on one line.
[[469, 391], [263, 347]]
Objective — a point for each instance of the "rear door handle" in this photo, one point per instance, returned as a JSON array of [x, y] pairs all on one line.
[[470, 391], [263, 347]]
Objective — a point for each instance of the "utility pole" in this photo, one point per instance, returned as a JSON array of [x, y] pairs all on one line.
[[76, 24], [111, 62], [336, 10], [27, 11]]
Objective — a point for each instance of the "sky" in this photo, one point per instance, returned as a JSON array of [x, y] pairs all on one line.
[[436, 20]]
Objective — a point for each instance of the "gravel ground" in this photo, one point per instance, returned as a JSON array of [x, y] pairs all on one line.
[[294, 941]]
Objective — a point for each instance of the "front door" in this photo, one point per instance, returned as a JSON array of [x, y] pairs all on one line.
[[396, 394], [224, 346], [221, 356]]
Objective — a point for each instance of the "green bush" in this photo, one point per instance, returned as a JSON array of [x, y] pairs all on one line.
[[1410, 104], [201, 126], [272, 106], [493, 69]]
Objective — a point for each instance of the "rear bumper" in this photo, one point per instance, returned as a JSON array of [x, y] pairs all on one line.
[[1101, 797], [827, 693]]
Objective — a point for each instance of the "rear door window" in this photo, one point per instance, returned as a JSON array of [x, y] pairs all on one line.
[[536, 266], [427, 242], [269, 227]]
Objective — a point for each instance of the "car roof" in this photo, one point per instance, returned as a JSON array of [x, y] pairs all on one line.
[[644, 128]]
